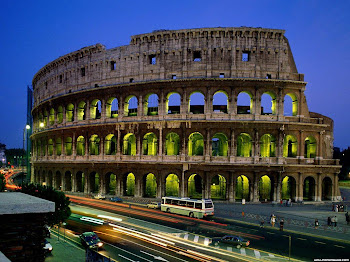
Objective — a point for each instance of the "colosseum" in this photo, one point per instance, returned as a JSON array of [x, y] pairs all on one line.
[[203, 113]]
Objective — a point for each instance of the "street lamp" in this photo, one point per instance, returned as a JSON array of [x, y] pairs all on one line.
[[27, 127], [41, 125]]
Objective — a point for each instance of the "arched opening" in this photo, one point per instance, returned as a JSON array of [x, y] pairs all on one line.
[[52, 116], [268, 146], [195, 186], [110, 144], [129, 145], [268, 103], [50, 178], [245, 103], [80, 180], [172, 144], [290, 105], [218, 187], [94, 145], [58, 146], [43, 147], [288, 188], [219, 145], [196, 103], [58, 181], [130, 106], [129, 185], [68, 146], [149, 144], [172, 185], [265, 189], [112, 108], [150, 183], [60, 114], [310, 147], [94, 182], [150, 106], [50, 147], [81, 111], [80, 147], [242, 188], [70, 113], [68, 181], [41, 120], [195, 144], [95, 109], [111, 183], [45, 117], [290, 146], [309, 189], [220, 102], [244, 145], [173, 103], [327, 188]]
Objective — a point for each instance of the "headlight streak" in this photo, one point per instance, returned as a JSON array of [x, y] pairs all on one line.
[[111, 218], [92, 220]]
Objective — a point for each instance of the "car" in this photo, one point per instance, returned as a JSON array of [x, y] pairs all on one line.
[[154, 205], [232, 240], [99, 196], [47, 247], [115, 199], [90, 240]]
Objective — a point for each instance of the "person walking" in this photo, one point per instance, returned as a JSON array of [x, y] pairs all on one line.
[[316, 223], [281, 224], [336, 208], [273, 220], [329, 221], [347, 218]]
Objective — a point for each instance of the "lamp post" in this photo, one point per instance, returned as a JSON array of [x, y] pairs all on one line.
[[27, 127]]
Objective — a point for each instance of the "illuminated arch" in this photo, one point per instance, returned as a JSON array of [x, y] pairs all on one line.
[[220, 102], [172, 185], [172, 144], [242, 188], [150, 107], [70, 113], [129, 185], [195, 144], [50, 147], [94, 145], [112, 108], [309, 189], [288, 188], [60, 114], [290, 146], [173, 103], [195, 186], [327, 187], [80, 147], [290, 104], [267, 146], [110, 144], [219, 145], [82, 111], [94, 182], [111, 183], [310, 147], [268, 103], [196, 103], [265, 188], [95, 109], [46, 114], [130, 106], [245, 103], [68, 146], [149, 144], [244, 145], [52, 116], [129, 144], [150, 183], [218, 187], [58, 146]]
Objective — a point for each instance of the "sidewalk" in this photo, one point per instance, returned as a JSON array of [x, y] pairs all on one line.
[[64, 251]]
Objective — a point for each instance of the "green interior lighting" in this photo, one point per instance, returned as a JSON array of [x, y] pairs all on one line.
[[70, 113], [130, 185], [310, 147], [129, 145], [110, 144], [242, 188], [267, 146], [151, 185], [290, 146], [172, 144], [81, 111], [68, 146], [149, 144], [172, 185], [244, 145], [265, 188], [195, 144], [219, 145], [195, 186], [218, 187], [94, 145], [80, 146], [58, 146]]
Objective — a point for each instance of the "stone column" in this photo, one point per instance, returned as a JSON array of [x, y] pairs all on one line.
[[102, 189], [87, 111], [140, 106], [280, 109], [159, 179], [207, 147], [256, 187], [103, 110], [184, 104], [86, 146], [232, 146], [63, 151], [231, 187], [233, 104], [279, 186], [301, 149], [87, 189], [74, 181], [160, 152], [206, 185], [318, 186], [102, 147], [182, 185], [257, 105], [138, 145], [301, 187], [74, 149], [75, 113]]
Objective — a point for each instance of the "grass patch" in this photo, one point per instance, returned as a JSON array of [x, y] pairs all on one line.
[[344, 183]]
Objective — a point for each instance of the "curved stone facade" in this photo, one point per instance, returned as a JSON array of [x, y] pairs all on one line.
[[166, 115]]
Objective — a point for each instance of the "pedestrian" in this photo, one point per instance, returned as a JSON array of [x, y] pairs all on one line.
[[281, 224], [336, 208], [335, 221], [329, 221], [316, 223], [332, 221], [273, 220], [347, 218]]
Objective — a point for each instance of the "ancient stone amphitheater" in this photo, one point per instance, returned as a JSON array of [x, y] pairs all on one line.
[[212, 112]]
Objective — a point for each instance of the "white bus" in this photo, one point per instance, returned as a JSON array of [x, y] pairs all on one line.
[[198, 208]]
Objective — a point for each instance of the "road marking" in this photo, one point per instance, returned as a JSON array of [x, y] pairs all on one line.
[[301, 238], [320, 242], [155, 257], [339, 246], [186, 237], [270, 233], [127, 258], [257, 254], [196, 238], [229, 249], [243, 251]]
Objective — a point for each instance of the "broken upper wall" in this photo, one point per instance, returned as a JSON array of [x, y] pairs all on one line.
[[241, 52]]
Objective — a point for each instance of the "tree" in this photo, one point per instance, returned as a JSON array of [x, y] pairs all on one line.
[[62, 210], [2, 182]]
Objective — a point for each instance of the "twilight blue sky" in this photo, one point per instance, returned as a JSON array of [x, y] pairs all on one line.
[[33, 33]]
